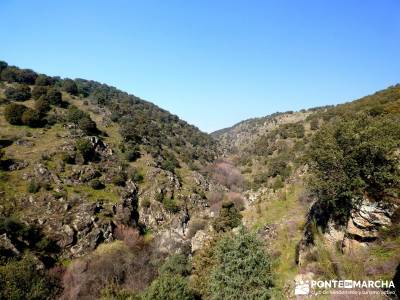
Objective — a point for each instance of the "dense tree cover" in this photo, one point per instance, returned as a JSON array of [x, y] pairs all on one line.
[[141, 122], [144, 123], [353, 157], [20, 92], [14, 74]]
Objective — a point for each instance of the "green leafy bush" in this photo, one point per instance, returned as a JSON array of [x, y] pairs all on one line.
[[87, 125], [351, 158], [23, 280], [314, 124], [176, 264], [54, 96], [70, 87], [132, 154], [33, 187], [38, 91], [171, 283], [229, 217], [135, 175], [85, 148], [96, 184], [13, 113], [32, 118], [171, 205], [14, 74], [74, 114], [20, 92], [242, 269], [82, 120], [119, 180], [44, 80], [68, 158], [42, 105], [169, 287]]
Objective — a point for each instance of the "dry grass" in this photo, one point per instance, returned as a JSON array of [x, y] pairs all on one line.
[[288, 217]]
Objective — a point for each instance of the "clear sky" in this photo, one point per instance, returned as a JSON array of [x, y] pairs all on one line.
[[212, 62]]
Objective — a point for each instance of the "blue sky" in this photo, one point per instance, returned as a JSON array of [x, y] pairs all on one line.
[[212, 62]]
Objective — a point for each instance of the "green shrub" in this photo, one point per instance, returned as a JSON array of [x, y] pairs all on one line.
[[70, 86], [314, 124], [33, 187], [229, 217], [82, 120], [169, 287], [32, 118], [68, 158], [13, 113], [96, 184], [171, 205], [42, 105], [350, 158], [74, 114], [119, 180], [21, 92], [135, 175], [3, 65], [44, 80], [242, 269], [14, 74], [23, 280], [54, 96], [87, 125], [277, 167], [278, 183], [176, 264], [38, 91], [85, 148], [195, 225], [169, 162], [132, 154]]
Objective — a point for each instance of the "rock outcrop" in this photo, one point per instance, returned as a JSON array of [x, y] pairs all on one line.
[[361, 230]]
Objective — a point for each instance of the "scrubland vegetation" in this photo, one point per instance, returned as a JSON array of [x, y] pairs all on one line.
[[106, 196]]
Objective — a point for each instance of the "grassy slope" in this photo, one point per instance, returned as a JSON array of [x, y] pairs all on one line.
[[286, 214]]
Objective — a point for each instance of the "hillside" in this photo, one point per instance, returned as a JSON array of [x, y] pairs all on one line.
[[324, 182], [106, 196], [84, 164]]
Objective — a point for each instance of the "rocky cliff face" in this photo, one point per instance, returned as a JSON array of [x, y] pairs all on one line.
[[361, 234]]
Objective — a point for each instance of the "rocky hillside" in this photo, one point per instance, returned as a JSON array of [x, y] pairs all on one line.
[[324, 182], [106, 196], [83, 164]]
